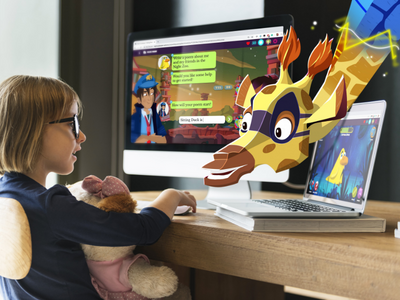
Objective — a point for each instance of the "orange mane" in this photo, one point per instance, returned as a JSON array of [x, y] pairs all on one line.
[[289, 49], [321, 58]]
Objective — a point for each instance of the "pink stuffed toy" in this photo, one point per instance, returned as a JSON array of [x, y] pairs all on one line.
[[116, 272]]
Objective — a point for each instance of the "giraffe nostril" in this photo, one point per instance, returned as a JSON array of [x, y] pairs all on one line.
[[269, 148]]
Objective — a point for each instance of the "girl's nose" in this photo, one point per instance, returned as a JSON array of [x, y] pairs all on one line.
[[82, 137]]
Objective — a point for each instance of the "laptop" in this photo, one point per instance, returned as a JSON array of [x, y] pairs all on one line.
[[339, 175]]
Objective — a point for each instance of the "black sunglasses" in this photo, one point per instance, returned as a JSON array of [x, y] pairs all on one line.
[[75, 127]]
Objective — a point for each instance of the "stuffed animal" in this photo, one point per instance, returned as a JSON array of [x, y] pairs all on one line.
[[141, 280]]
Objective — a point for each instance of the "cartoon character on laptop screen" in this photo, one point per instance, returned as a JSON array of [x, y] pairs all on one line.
[[342, 160]]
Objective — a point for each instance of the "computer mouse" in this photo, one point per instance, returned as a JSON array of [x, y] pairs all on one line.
[[182, 210]]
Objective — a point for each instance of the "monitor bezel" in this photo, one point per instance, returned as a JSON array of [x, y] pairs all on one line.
[[268, 21]]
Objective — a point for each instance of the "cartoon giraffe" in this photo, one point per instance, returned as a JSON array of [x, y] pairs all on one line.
[[281, 120]]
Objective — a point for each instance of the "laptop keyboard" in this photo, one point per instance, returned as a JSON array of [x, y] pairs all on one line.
[[295, 205]]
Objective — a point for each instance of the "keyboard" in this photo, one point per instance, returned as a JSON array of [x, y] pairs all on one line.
[[296, 205]]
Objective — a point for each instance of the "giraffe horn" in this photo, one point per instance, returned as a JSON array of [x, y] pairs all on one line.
[[245, 93]]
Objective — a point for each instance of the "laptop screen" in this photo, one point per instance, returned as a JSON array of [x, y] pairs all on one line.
[[342, 159]]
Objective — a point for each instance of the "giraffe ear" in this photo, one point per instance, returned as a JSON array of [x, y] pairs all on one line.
[[245, 93], [334, 109]]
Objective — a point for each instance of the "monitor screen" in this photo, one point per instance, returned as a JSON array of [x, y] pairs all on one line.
[[181, 90]]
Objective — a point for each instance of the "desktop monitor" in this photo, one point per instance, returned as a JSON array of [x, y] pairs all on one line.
[[180, 96]]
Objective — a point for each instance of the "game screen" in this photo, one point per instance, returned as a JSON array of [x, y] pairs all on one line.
[[184, 89], [342, 160]]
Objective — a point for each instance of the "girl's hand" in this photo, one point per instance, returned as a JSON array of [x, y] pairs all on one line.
[[188, 199], [170, 199]]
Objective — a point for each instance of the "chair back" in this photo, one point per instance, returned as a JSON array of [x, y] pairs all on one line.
[[15, 240]]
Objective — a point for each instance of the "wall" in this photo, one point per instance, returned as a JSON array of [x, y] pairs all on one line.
[[29, 37]]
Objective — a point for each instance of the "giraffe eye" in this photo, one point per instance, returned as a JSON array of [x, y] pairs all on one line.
[[284, 126], [283, 129], [246, 122], [284, 119]]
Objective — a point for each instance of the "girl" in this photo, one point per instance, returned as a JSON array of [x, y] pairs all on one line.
[[40, 133]]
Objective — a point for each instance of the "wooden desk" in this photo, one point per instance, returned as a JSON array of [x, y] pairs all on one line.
[[355, 265]]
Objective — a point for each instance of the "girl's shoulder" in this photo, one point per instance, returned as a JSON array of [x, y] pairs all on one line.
[[14, 185], [58, 191]]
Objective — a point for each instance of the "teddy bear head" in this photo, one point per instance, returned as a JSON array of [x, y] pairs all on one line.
[[110, 195]]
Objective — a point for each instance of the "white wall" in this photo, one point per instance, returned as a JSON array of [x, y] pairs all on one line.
[[29, 31], [29, 40]]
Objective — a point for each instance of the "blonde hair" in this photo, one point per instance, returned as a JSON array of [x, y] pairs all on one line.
[[27, 103]]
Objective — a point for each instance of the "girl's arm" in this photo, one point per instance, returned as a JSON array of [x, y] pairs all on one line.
[[80, 222], [170, 199]]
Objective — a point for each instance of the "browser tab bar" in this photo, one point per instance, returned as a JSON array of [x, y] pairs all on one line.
[[144, 44], [261, 33]]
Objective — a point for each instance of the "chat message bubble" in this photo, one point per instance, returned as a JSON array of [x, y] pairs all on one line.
[[193, 77], [192, 104], [202, 120], [194, 61]]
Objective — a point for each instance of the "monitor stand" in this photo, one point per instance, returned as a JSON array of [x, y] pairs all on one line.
[[238, 191]]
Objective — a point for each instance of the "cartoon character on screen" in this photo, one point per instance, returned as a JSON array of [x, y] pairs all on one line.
[[163, 111], [164, 62], [336, 175], [281, 120], [146, 126]]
